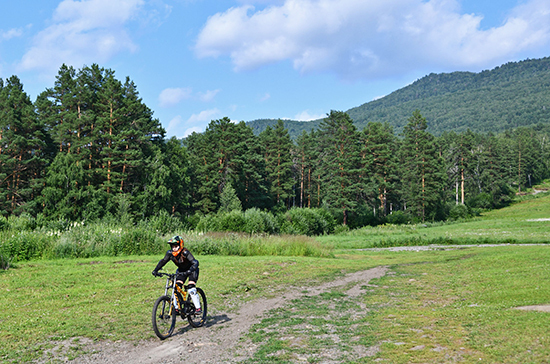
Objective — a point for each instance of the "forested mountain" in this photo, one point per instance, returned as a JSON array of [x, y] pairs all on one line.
[[512, 95]]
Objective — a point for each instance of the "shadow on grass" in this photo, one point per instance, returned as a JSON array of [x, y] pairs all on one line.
[[210, 321]]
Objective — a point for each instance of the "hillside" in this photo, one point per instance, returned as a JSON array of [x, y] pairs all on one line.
[[512, 95]]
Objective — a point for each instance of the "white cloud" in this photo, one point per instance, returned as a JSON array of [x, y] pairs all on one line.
[[192, 130], [177, 124], [83, 32], [206, 115], [12, 33], [306, 116], [173, 96], [174, 123], [208, 95], [370, 39], [265, 97]]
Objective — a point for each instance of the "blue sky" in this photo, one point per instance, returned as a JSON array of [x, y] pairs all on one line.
[[194, 61]]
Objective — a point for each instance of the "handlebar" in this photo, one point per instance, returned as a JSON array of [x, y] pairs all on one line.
[[171, 275]]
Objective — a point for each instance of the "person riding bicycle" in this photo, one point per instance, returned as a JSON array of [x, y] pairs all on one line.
[[188, 267]]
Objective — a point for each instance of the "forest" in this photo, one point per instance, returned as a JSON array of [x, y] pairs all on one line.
[[88, 149]]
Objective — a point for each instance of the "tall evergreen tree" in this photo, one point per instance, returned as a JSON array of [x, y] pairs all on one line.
[[379, 163], [340, 162], [227, 152], [305, 161], [22, 144], [423, 173], [278, 161], [108, 129]]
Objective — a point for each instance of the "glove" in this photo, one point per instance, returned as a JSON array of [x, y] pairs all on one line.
[[155, 273]]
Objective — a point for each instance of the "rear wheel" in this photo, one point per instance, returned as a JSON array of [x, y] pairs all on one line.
[[197, 320], [164, 317]]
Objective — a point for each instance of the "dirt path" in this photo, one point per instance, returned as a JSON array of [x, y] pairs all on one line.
[[220, 340]]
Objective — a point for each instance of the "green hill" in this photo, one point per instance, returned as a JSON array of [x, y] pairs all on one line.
[[512, 95]]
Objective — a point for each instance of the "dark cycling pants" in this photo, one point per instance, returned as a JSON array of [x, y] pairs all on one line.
[[193, 276]]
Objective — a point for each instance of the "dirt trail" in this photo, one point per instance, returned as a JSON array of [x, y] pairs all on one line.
[[219, 340]]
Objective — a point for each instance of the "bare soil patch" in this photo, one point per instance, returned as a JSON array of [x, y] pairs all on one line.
[[541, 308], [221, 340]]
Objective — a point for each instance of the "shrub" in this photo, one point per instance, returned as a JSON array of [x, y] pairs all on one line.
[[25, 245], [208, 223], [294, 222], [329, 220], [254, 221], [459, 211], [398, 218], [163, 223], [339, 229], [306, 221], [482, 201], [231, 221], [22, 222], [4, 224]]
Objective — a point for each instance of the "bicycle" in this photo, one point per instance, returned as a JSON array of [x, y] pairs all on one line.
[[168, 307]]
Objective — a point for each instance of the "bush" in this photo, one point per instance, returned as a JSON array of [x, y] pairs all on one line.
[[482, 201], [208, 223], [341, 229], [25, 245], [459, 211], [398, 218], [329, 220], [24, 222], [4, 224], [254, 221], [231, 221], [306, 222], [163, 223]]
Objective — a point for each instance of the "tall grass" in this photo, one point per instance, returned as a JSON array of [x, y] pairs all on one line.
[[109, 238], [253, 245]]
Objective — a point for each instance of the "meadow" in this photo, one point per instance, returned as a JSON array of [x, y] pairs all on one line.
[[443, 305], [525, 222]]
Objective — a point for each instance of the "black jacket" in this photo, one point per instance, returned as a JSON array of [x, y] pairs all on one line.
[[185, 261]]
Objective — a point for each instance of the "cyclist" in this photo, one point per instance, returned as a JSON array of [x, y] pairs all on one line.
[[188, 267]]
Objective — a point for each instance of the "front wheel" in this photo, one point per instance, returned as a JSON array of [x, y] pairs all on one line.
[[164, 317], [197, 320]]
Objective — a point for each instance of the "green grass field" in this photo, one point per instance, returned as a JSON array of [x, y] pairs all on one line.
[[433, 306], [524, 222]]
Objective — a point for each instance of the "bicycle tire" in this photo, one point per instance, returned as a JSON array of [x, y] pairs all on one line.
[[164, 317], [193, 319]]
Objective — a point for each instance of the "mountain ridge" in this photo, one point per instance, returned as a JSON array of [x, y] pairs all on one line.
[[505, 97]]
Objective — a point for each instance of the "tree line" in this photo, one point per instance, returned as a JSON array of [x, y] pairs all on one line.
[[89, 148]]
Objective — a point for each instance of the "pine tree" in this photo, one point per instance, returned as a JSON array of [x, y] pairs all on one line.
[[305, 161], [278, 161], [110, 132], [22, 144], [229, 200], [423, 173], [379, 163], [340, 162]]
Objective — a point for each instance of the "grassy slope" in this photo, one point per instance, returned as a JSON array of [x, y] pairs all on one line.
[[508, 225]]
